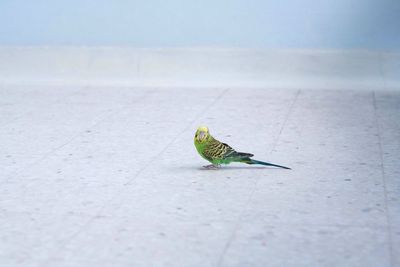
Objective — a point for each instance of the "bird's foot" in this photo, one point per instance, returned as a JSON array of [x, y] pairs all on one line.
[[212, 167]]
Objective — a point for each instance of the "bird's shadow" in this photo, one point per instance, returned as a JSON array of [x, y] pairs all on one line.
[[227, 168]]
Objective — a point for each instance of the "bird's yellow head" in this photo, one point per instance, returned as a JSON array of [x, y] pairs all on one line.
[[202, 134]]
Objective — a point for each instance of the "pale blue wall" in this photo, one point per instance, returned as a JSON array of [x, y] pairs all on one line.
[[246, 23]]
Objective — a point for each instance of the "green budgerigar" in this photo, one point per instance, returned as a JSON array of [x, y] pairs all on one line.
[[219, 153]]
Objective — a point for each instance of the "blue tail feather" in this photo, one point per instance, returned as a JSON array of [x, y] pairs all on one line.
[[253, 161]]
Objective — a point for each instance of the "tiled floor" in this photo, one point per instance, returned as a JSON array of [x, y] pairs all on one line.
[[108, 176]]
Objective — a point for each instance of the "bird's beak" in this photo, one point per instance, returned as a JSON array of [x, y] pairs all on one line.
[[201, 135]]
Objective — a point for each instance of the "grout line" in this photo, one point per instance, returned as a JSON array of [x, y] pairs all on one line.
[[82, 228], [239, 220], [276, 141], [98, 120], [389, 225], [380, 54]]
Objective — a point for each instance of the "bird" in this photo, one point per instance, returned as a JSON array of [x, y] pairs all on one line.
[[219, 153]]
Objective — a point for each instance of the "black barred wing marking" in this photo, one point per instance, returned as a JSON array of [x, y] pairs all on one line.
[[230, 152], [218, 150]]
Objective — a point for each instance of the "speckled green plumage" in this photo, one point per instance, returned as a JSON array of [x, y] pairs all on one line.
[[219, 153]]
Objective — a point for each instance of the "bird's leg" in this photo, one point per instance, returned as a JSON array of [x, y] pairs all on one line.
[[212, 166]]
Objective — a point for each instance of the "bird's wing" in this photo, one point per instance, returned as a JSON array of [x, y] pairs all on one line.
[[218, 150], [231, 153]]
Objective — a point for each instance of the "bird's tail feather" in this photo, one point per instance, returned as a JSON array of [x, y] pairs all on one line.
[[243, 155], [253, 161]]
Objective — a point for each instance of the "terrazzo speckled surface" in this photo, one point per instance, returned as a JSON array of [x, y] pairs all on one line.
[[109, 176]]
